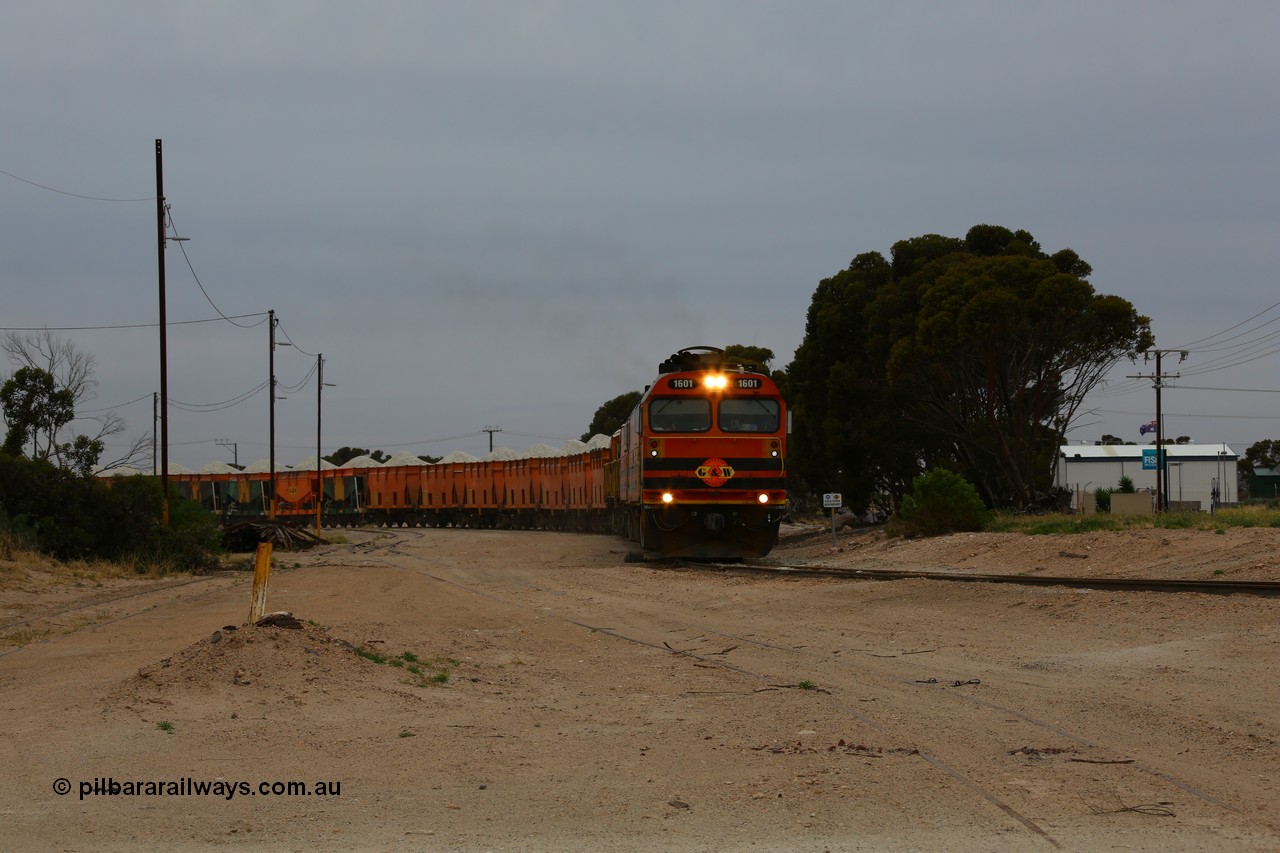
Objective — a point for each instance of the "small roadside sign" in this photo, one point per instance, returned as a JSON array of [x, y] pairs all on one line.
[[832, 501]]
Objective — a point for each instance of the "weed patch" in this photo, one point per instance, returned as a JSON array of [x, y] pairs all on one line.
[[424, 671]]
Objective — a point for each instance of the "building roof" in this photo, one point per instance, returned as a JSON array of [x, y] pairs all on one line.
[[1134, 451]]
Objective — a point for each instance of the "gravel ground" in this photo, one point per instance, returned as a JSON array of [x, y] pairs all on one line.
[[534, 691]]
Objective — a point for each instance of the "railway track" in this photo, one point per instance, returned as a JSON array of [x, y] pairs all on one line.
[[1209, 586]]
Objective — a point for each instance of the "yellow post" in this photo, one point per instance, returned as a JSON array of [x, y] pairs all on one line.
[[261, 570]]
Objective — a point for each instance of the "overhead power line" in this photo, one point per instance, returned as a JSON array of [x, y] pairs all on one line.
[[1216, 416], [219, 406], [1210, 388], [290, 341], [169, 215], [261, 314], [117, 406], [1204, 340], [73, 195]]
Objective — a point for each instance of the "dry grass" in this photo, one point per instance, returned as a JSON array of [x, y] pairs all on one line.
[[19, 564], [1223, 519], [32, 583], [23, 636]]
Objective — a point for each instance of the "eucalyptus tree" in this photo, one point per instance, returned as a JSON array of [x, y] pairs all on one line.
[[973, 354]]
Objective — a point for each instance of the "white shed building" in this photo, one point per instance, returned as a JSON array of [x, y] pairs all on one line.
[[1194, 470]]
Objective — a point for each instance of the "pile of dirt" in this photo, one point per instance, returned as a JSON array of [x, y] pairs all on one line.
[[266, 664]]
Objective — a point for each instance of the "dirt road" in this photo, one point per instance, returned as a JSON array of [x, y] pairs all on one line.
[[533, 691]]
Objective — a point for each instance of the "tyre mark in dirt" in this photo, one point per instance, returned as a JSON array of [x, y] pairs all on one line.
[[933, 761], [98, 604], [1137, 765], [763, 644]]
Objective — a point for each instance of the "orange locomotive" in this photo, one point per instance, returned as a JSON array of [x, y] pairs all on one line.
[[701, 459], [696, 471]]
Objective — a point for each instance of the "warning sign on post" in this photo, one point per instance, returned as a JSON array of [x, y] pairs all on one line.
[[832, 500]]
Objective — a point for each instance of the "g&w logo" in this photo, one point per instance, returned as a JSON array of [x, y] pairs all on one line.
[[714, 472]]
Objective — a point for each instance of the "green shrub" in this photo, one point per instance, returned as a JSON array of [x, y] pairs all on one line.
[[941, 502], [69, 516], [192, 539], [1102, 499]]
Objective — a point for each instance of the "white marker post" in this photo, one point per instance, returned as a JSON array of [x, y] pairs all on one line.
[[832, 501]]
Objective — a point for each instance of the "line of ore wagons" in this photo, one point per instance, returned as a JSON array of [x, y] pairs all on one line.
[[571, 490]]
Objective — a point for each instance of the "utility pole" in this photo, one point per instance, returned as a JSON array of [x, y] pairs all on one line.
[[155, 419], [164, 342], [491, 430], [271, 387], [319, 461], [161, 242], [320, 386], [1162, 469]]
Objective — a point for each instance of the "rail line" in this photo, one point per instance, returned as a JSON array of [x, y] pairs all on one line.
[[1210, 587]]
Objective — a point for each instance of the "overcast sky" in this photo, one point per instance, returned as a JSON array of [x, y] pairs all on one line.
[[505, 213]]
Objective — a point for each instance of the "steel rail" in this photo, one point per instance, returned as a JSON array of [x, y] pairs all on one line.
[[1211, 587]]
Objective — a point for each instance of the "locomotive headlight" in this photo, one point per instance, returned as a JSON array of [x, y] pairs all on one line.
[[763, 498], [667, 497], [716, 382]]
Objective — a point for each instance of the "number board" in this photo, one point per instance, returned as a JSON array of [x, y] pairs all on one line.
[[683, 383], [750, 382]]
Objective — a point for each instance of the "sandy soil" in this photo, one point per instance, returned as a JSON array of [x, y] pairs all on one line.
[[534, 691]]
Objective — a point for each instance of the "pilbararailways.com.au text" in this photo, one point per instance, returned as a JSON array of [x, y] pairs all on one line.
[[188, 787]]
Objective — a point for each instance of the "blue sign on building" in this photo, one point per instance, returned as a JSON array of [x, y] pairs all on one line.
[[1149, 459]]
